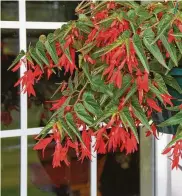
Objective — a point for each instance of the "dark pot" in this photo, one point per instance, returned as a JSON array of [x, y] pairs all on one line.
[[165, 114]]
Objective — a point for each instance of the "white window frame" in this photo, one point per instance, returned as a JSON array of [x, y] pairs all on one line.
[[162, 175]]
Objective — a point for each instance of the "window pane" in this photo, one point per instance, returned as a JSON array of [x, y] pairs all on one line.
[[10, 166], [43, 179], [39, 109], [9, 10], [118, 174], [10, 99], [127, 175], [51, 11]]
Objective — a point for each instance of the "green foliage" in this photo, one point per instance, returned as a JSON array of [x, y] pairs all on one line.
[[122, 62]]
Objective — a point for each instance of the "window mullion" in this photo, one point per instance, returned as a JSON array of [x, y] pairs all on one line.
[[93, 169], [23, 103]]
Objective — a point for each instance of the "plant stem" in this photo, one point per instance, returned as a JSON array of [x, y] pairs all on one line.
[[80, 93]]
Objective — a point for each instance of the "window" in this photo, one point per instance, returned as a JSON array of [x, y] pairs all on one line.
[[22, 168]]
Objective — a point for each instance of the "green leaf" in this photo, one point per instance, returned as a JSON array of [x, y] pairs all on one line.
[[66, 128], [28, 57], [163, 25], [91, 104], [21, 54], [110, 47], [98, 85], [103, 99], [86, 72], [179, 45], [41, 52], [168, 47], [106, 114], [75, 80], [72, 126], [84, 26], [131, 92], [46, 129], [161, 84], [119, 92], [140, 51], [51, 48], [173, 108], [179, 129], [170, 81], [70, 84], [83, 114], [174, 120], [155, 91], [139, 113], [177, 35], [34, 55], [155, 52], [125, 114]]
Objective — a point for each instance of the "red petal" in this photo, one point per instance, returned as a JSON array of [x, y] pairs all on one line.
[[153, 105]]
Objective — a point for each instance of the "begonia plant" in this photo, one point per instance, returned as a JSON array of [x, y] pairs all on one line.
[[119, 56]]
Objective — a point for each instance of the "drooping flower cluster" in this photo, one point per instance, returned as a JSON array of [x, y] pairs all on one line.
[[117, 55]]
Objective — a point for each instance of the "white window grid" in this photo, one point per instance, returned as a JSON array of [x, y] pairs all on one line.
[[161, 181]]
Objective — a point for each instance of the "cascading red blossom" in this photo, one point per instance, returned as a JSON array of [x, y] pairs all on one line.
[[85, 146], [176, 153], [171, 37], [153, 105], [28, 80], [105, 38], [57, 103], [100, 145]]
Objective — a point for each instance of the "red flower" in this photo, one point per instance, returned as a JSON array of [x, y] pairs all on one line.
[[101, 15], [16, 67], [56, 156], [27, 81], [74, 145], [171, 37], [100, 145], [69, 65], [167, 99], [176, 153], [58, 103], [131, 144], [42, 144], [153, 105], [87, 58], [159, 15], [153, 131], [85, 146], [117, 136]]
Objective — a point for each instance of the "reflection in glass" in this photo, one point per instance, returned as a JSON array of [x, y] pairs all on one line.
[[9, 10], [39, 107], [10, 166], [51, 11], [118, 174], [43, 179], [10, 114]]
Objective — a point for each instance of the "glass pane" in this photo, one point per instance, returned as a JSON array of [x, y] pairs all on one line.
[[10, 166], [9, 10], [118, 174], [10, 99], [51, 11], [44, 180], [39, 109]]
